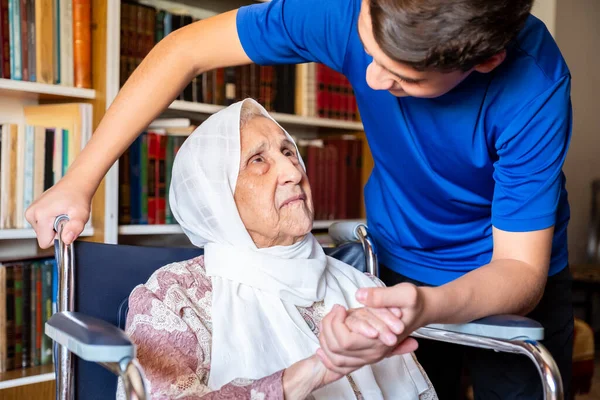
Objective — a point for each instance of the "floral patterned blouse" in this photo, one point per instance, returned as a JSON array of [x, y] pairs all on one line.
[[169, 321]]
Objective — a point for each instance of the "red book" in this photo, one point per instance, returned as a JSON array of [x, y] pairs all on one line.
[[24, 42], [4, 39], [330, 93], [161, 180], [355, 179], [153, 150], [332, 180], [322, 73], [312, 168], [342, 164], [347, 100], [322, 182]]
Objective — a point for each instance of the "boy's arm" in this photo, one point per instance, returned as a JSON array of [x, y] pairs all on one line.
[[162, 75]]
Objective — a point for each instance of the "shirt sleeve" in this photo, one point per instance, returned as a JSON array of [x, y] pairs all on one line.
[[297, 31], [176, 364], [531, 153]]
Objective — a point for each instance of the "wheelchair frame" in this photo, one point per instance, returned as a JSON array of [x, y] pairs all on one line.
[[71, 334]]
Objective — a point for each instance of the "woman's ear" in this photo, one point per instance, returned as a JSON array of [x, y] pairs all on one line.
[[491, 63]]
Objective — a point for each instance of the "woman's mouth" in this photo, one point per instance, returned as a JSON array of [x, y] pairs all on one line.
[[294, 199]]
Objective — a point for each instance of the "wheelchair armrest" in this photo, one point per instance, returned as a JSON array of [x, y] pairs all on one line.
[[89, 338], [342, 232], [505, 327]]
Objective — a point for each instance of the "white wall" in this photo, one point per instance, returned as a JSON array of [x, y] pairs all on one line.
[[578, 36], [546, 11]]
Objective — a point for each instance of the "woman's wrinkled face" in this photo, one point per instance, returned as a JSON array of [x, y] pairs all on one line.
[[272, 193]]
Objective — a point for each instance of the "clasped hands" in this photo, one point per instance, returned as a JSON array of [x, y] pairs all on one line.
[[350, 339]]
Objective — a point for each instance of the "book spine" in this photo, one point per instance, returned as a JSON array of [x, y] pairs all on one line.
[[46, 350], [10, 317], [24, 40], [169, 157], [125, 188], [18, 310], [28, 175], [144, 180], [152, 168], [5, 39], [31, 33], [161, 180], [14, 8], [135, 180]]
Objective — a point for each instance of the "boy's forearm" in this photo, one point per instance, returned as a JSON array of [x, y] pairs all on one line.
[[502, 287], [159, 79]]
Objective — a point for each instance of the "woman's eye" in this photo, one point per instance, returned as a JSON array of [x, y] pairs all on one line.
[[289, 153], [257, 159]]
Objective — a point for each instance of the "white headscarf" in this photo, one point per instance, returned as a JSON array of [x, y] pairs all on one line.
[[257, 328]]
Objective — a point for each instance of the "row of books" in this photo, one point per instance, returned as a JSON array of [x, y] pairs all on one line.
[[47, 41], [334, 170], [36, 153], [145, 172], [28, 294], [309, 89], [333, 164]]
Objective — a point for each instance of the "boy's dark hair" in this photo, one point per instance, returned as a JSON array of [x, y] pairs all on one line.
[[446, 35]]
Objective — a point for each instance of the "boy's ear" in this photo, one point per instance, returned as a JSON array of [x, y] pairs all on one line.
[[491, 63]]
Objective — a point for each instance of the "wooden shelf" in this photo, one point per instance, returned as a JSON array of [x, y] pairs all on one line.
[[171, 229], [175, 229], [327, 223], [289, 119], [9, 87], [26, 376], [8, 234]]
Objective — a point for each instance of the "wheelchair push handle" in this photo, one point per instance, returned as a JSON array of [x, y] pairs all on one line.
[[66, 302], [352, 231], [59, 221], [347, 231]]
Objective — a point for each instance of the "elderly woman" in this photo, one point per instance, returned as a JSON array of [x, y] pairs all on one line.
[[242, 321]]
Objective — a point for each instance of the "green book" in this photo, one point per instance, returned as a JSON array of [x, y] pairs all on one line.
[[170, 157], [144, 179], [46, 345]]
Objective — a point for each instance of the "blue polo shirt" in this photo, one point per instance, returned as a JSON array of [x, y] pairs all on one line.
[[488, 153]]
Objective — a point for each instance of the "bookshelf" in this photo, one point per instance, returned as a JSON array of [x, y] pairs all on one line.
[[37, 382], [174, 229], [301, 126], [12, 88], [14, 234], [26, 376], [17, 98], [284, 119]]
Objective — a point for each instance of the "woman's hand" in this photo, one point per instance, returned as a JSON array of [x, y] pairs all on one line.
[[407, 297], [306, 376], [344, 351], [373, 323], [66, 197]]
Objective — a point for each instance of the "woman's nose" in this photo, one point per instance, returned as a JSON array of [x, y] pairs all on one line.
[[288, 171], [378, 78]]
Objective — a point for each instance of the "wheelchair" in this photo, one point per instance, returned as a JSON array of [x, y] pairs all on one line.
[[93, 305]]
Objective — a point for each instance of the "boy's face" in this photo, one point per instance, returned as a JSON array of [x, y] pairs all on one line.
[[400, 79]]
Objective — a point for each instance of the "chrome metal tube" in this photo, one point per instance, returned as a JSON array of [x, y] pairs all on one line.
[[66, 302], [370, 256], [134, 382], [545, 364]]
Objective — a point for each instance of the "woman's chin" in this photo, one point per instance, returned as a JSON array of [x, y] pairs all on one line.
[[299, 226]]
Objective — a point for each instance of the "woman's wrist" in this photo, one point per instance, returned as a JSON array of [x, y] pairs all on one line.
[[431, 297], [302, 378]]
